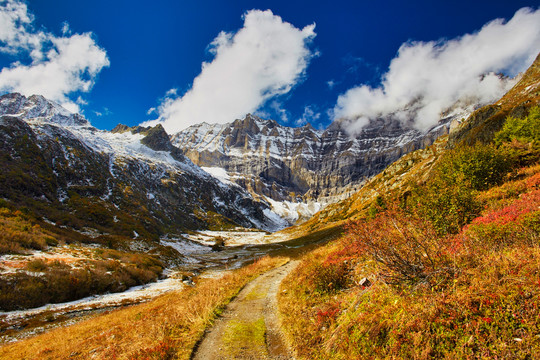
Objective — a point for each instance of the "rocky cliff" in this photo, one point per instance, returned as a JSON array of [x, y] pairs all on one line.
[[301, 165]]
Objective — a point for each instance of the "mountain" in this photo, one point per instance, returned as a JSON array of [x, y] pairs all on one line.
[[416, 166], [131, 181], [300, 170], [483, 123]]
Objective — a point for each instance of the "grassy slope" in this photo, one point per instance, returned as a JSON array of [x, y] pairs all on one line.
[[166, 328], [482, 303]]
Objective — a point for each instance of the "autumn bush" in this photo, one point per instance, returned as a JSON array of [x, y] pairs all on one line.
[[516, 223], [331, 276], [406, 246]]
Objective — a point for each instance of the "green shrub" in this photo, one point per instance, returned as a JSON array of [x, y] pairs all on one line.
[[525, 130], [447, 206], [449, 198], [481, 166]]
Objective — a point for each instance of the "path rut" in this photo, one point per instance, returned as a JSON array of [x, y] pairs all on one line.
[[249, 326]]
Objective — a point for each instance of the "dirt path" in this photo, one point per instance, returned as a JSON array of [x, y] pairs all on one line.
[[249, 326]]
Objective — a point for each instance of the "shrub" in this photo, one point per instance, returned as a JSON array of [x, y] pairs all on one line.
[[407, 247], [449, 198], [525, 130], [447, 206], [516, 223], [483, 166], [36, 265], [330, 276]]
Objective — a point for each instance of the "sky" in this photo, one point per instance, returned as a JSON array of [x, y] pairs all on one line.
[[179, 63]]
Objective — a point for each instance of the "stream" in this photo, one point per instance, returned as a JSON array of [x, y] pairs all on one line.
[[199, 260]]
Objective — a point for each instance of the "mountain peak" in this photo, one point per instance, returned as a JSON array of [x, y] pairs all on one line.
[[36, 108]]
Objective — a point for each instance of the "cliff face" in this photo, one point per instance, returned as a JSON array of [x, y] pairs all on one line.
[[300, 164]]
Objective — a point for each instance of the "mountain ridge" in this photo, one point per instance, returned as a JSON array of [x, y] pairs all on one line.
[[303, 165], [118, 170]]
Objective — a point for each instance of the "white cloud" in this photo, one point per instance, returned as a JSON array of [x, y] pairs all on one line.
[[331, 84], [264, 59], [58, 66], [309, 116], [426, 78]]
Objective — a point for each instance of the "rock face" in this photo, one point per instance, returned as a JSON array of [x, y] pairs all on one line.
[[300, 164], [129, 181]]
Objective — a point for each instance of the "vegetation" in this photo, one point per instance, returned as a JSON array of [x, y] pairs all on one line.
[[245, 336], [19, 234], [173, 324], [452, 265], [55, 281]]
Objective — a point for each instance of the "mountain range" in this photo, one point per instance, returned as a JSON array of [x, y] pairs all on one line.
[[140, 182], [251, 172]]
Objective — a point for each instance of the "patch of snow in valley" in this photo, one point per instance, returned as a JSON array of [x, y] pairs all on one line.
[[187, 247], [233, 238]]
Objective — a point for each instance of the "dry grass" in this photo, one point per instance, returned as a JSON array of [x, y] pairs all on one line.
[[165, 328], [487, 307], [18, 234]]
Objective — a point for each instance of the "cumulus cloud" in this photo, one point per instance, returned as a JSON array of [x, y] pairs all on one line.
[[57, 67], [262, 60], [427, 78]]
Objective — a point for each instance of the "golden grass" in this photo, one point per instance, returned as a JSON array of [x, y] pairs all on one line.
[[166, 328], [487, 309], [19, 234]]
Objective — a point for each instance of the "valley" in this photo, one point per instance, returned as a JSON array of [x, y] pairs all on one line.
[[388, 242]]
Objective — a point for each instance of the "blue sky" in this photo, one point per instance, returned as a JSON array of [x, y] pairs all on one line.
[[139, 51]]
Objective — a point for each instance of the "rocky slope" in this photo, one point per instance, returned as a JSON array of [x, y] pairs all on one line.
[[301, 168], [416, 166], [130, 182], [483, 123]]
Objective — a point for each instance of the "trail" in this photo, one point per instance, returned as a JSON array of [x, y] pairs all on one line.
[[249, 326]]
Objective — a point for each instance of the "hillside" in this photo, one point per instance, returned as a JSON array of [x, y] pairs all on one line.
[[415, 167], [440, 259]]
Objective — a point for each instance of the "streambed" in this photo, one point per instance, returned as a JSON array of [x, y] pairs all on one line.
[[239, 248]]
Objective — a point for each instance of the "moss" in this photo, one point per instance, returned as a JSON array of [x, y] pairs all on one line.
[[243, 338]]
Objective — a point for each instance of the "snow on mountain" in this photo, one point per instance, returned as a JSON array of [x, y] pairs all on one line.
[[299, 170], [143, 158]]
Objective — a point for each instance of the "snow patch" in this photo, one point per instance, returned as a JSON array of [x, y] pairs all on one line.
[[219, 173]]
